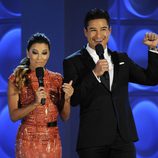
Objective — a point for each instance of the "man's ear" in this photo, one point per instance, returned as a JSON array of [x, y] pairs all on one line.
[[110, 29], [85, 32], [108, 33]]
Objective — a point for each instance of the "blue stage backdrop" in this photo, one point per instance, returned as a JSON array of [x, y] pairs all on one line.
[[62, 22], [131, 19]]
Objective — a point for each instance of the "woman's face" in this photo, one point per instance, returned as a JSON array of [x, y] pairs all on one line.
[[39, 55]]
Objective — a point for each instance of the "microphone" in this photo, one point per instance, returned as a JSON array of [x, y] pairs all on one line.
[[40, 75], [105, 77], [99, 50]]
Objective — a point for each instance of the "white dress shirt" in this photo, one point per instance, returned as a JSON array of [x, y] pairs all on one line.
[[95, 58]]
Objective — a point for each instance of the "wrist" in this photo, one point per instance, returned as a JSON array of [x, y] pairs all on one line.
[[35, 104], [153, 48], [95, 74], [67, 100]]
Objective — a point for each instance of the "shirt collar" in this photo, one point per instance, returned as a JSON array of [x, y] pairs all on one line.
[[92, 52]]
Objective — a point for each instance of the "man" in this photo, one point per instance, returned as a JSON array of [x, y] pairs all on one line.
[[107, 128]]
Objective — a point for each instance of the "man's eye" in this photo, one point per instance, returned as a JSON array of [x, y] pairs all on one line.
[[93, 30], [105, 28]]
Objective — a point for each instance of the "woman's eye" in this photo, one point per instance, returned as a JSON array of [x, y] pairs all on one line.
[[33, 52], [44, 53]]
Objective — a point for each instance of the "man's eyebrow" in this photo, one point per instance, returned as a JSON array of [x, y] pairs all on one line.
[[92, 28], [105, 27]]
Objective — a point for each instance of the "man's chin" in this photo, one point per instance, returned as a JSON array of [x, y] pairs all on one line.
[[100, 43]]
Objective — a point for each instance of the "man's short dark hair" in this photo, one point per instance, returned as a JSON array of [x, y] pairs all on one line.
[[96, 14]]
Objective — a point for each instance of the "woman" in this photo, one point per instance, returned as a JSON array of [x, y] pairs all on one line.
[[38, 135]]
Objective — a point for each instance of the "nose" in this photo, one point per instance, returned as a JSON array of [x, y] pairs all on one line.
[[39, 57], [98, 34]]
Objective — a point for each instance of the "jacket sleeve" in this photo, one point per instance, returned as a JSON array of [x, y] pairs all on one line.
[[148, 76], [83, 85]]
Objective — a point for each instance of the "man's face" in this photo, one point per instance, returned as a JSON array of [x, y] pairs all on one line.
[[97, 31]]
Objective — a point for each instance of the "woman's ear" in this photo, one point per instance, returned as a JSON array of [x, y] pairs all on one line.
[[27, 54]]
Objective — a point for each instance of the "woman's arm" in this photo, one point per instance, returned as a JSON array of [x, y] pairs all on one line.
[[68, 90], [65, 113], [13, 98]]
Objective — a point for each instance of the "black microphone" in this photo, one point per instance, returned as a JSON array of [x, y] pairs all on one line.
[[99, 50], [40, 75]]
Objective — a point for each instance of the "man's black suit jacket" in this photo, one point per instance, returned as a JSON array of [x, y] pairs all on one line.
[[103, 111]]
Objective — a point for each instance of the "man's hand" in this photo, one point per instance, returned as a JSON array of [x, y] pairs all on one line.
[[101, 66], [151, 40]]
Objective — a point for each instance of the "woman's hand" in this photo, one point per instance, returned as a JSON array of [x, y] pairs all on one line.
[[68, 89], [40, 93]]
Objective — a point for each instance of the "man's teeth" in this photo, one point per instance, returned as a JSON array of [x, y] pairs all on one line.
[[98, 40]]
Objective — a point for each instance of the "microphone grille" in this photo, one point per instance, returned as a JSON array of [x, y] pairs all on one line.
[[39, 72], [99, 49]]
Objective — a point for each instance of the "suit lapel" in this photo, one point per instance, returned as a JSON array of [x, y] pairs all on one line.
[[115, 61], [87, 59]]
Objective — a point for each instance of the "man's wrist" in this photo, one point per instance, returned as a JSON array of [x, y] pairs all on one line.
[[95, 74], [153, 49], [98, 78]]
